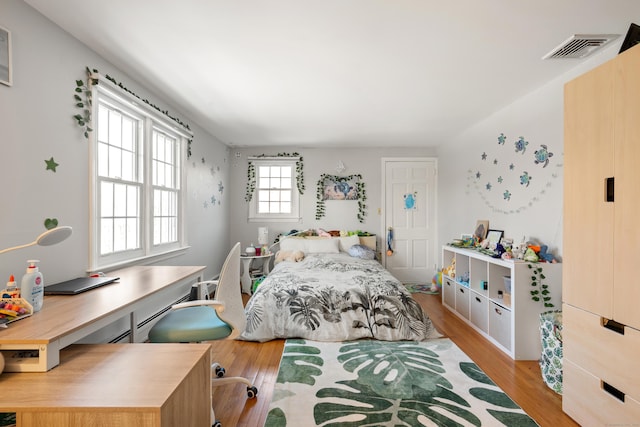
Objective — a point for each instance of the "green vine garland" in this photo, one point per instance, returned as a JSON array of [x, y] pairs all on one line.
[[543, 294], [362, 194], [84, 119], [84, 103], [251, 174], [251, 182]]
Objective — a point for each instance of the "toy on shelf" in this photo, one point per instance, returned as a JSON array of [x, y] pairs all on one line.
[[451, 269]]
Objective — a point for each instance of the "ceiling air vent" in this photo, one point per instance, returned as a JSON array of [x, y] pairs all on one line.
[[580, 45]]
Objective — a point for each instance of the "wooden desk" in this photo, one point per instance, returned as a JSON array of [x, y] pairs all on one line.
[[124, 385], [64, 320]]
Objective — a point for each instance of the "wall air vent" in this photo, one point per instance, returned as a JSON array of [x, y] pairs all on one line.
[[580, 45]]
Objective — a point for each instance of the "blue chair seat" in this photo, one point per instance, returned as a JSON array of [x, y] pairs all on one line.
[[192, 324]]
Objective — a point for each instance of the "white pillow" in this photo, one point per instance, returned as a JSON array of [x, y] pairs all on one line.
[[322, 246], [292, 244], [347, 242]]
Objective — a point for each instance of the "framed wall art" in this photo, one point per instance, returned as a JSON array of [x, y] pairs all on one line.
[[482, 226], [6, 75], [494, 237]]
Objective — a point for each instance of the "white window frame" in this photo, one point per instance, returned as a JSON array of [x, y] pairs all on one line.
[[296, 214], [150, 120]]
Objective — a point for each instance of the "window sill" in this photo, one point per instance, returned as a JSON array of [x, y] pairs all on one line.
[[145, 260]]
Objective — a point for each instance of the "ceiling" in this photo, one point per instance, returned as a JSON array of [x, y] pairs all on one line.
[[337, 73]]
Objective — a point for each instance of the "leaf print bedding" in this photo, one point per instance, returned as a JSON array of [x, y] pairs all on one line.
[[334, 297]]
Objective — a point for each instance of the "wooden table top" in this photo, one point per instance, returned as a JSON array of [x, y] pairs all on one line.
[[63, 315], [105, 376]]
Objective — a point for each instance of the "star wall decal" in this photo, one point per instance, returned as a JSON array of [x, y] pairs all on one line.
[[51, 164]]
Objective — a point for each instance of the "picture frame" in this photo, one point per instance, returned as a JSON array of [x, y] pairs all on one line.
[[482, 226], [339, 189], [494, 237], [6, 73]]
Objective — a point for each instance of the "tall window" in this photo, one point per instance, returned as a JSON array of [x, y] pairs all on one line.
[[137, 199], [276, 194]]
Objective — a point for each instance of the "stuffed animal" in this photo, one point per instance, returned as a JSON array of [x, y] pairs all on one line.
[[436, 282], [293, 256], [545, 255], [451, 269], [518, 250]]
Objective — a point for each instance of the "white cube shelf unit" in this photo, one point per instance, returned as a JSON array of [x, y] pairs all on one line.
[[510, 321]]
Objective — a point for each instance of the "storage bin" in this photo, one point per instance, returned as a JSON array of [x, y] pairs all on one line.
[[551, 358]]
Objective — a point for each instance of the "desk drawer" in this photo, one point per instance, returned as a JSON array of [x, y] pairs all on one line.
[[603, 352], [585, 400]]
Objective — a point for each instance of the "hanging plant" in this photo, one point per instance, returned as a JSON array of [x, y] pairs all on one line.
[[84, 119], [251, 174], [83, 100], [540, 290], [360, 188], [251, 182]]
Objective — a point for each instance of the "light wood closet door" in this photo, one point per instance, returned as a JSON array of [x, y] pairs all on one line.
[[627, 193], [588, 218]]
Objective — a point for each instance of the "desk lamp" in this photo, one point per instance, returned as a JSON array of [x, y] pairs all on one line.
[[48, 238]]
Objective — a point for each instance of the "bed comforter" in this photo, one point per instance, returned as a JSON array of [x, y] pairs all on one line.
[[334, 297]]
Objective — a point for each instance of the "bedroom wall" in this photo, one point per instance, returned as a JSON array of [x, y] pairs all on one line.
[[36, 124], [532, 208], [340, 215]]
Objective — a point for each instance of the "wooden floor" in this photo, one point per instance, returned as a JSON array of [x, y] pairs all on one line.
[[259, 362]]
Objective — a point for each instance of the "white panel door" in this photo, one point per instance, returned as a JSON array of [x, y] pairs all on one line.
[[410, 211]]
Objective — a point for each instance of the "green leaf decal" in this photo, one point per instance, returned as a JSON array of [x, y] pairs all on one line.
[[494, 397], [472, 371]]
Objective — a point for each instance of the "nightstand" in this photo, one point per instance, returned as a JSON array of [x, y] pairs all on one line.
[[247, 278]]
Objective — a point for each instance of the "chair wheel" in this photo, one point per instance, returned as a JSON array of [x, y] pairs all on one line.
[[220, 372], [216, 424], [252, 392]]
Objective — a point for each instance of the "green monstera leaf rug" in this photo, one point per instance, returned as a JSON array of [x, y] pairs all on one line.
[[380, 383]]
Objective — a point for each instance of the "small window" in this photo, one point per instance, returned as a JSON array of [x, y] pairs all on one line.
[[276, 194]]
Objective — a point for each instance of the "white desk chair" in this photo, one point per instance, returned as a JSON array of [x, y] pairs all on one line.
[[209, 320]]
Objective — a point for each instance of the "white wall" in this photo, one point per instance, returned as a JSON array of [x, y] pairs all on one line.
[[340, 215], [36, 124], [534, 211]]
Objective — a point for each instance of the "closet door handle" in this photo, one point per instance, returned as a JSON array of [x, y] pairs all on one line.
[[610, 189], [613, 391], [612, 325]]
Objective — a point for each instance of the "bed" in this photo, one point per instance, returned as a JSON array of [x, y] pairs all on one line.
[[331, 295]]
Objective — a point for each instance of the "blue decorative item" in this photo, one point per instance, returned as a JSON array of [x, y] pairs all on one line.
[[525, 179], [410, 200], [498, 184], [542, 155], [521, 145]]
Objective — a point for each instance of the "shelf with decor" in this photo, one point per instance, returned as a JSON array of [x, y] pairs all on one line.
[[494, 297]]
